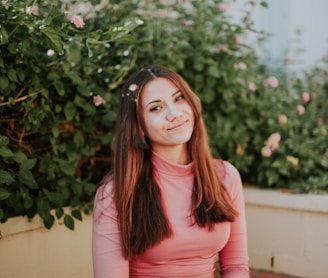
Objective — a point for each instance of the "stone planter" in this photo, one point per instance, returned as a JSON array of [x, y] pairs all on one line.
[[28, 250], [287, 233]]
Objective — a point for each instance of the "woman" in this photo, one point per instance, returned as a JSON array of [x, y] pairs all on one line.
[[167, 208]]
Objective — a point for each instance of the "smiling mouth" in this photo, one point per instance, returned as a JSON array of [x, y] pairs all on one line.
[[177, 126]]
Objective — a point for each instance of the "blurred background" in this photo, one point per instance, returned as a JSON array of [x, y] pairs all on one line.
[[260, 69]]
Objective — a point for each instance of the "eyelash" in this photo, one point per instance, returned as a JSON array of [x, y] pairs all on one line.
[[156, 108]]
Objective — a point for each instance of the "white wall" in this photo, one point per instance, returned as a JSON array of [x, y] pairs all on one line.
[[310, 16], [287, 233], [282, 20], [28, 250]]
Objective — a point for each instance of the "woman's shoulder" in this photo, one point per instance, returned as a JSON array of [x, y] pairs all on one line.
[[104, 199], [225, 168], [229, 175]]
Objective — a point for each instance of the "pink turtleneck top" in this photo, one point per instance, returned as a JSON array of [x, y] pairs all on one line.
[[192, 250]]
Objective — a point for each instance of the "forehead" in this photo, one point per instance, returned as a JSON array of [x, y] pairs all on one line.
[[158, 88]]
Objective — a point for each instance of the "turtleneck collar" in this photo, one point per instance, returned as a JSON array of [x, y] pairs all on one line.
[[168, 167]]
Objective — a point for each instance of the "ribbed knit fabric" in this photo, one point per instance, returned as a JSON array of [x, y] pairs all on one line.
[[192, 250]]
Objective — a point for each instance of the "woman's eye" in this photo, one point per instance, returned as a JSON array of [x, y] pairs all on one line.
[[155, 108], [178, 98]]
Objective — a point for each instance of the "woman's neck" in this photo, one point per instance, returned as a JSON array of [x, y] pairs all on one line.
[[176, 154]]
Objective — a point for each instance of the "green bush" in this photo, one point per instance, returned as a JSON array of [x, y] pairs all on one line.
[[59, 83], [243, 102], [55, 140]]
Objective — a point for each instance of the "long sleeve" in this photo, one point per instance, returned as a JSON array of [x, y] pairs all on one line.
[[234, 256], [108, 261]]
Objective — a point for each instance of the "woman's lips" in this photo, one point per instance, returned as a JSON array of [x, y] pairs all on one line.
[[177, 126]]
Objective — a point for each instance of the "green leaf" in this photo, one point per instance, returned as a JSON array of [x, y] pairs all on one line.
[[214, 71], [29, 164], [78, 139], [56, 198], [55, 130], [75, 77], [6, 177], [21, 74], [4, 194], [264, 4], [59, 212], [5, 152], [77, 214], [43, 209], [27, 178], [19, 156], [89, 188], [4, 140], [3, 36], [70, 110], [60, 88], [69, 221], [12, 75], [74, 53], [49, 221], [4, 82], [54, 38]]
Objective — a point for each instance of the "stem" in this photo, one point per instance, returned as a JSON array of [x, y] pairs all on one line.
[[19, 99]]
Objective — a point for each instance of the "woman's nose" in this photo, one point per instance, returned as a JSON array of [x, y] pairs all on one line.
[[172, 114], [171, 117]]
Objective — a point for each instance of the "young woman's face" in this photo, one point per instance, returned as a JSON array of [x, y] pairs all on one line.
[[168, 118]]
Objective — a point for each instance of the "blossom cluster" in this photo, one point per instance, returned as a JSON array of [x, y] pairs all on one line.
[[271, 144], [75, 19], [305, 99]]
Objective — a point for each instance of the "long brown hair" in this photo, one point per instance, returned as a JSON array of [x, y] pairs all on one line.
[[141, 217]]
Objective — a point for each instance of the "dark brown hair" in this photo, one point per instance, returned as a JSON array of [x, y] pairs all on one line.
[[141, 217]]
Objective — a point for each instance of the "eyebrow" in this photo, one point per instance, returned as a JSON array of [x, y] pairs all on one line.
[[158, 100]]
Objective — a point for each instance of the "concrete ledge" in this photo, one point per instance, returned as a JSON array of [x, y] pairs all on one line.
[[28, 250], [287, 233], [281, 199]]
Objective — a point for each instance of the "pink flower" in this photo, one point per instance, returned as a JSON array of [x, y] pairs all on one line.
[[266, 151], [223, 48], [237, 40], [224, 6], [242, 66], [305, 97], [314, 95], [133, 87], [187, 23], [161, 14], [273, 141], [282, 119], [77, 21], [292, 159], [33, 10], [300, 109], [50, 52], [252, 86], [98, 100], [272, 82]]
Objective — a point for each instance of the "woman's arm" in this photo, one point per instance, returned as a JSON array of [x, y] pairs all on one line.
[[108, 261], [234, 256]]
